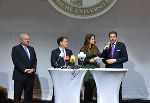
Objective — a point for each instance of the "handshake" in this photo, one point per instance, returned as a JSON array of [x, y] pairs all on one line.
[[29, 71]]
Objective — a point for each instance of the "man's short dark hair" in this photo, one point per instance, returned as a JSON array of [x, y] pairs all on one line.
[[60, 39], [113, 32]]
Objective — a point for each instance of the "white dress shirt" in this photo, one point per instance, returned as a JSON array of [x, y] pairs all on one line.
[[114, 44]]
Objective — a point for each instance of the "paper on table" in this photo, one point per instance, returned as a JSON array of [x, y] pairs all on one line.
[[98, 60]]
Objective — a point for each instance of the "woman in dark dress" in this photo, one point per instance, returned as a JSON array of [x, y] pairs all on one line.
[[91, 51]]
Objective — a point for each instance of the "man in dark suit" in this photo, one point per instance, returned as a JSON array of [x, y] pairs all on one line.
[[59, 55], [115, 54], [25, 62]]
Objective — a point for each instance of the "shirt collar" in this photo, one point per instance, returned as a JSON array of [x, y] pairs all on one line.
[[24, 46], [61, 49], [114, 43]]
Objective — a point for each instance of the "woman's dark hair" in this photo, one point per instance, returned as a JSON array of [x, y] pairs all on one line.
[[60, 39], [87, 43]]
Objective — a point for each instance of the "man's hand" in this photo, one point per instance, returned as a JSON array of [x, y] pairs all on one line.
[[32, 70], [106, 46], [92, 60], [65, 66], [111, 61], [29, 71]]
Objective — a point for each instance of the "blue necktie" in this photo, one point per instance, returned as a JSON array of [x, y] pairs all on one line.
[[64, 55], [27, 52]]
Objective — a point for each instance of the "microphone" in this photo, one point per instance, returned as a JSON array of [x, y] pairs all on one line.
[[81, 57], [60, 56], [67, 60], [72, 60], [107, 45]]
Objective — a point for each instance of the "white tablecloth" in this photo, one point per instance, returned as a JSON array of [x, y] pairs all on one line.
[[67, 84], [108, 83]]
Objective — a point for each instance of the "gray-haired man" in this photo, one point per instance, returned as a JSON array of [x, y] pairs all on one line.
[[25, 62]]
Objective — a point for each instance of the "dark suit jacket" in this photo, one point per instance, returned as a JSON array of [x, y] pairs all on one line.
[[120, 53], [22, 62], [55, 55]]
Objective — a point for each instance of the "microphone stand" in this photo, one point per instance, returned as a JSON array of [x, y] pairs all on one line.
[[58, 65], [82, 63]]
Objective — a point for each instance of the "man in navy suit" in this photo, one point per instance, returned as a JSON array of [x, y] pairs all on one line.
[[59, 55], [115, 54], [25, 62]]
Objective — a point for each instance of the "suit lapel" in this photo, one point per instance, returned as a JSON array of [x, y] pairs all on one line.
[[109, 51], [67, 53], [58, 50], [115, 51], [30, 52]]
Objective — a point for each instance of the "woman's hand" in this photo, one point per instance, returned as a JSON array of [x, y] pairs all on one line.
[[92, 60]]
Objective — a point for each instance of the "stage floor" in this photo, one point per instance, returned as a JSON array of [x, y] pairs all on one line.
[[124, 101]]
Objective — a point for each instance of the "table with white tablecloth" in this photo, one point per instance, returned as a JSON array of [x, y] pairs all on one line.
[[67, 84], [108, 82]]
